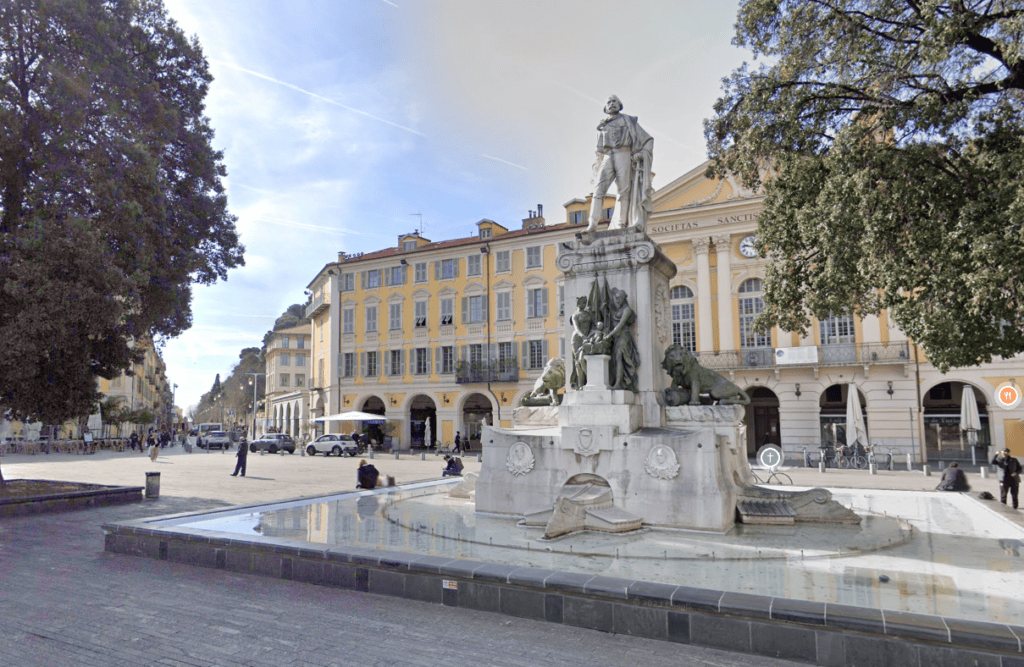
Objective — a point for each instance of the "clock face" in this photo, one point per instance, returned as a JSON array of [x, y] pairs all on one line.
[[747, 248]]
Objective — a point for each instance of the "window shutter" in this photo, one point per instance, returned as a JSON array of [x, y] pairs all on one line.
[[437, 361], [437, 270], [462, 352], [544, 350], [362, 364], [401, 362], [455, 267], [526, 355], [465, 309], [544, 301], [487, 307], [430, 356], [492, 353], [405, 274], [387, 277], [530, 304], [362, 280], [387, 362]]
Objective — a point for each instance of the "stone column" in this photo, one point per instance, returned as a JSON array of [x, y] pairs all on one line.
[[705, 331], [723, 245]]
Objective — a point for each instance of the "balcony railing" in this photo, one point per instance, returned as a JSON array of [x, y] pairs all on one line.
[[318, 304], [843, 354], [504, 370]]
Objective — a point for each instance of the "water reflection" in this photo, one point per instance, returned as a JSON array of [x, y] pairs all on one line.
[[942, 554]]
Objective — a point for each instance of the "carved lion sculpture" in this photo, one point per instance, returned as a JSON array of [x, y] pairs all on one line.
[[690, 380], [545, 389]]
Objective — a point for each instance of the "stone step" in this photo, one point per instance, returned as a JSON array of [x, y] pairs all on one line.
[[766, 512]]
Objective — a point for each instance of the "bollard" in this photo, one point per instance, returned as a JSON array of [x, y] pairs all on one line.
[[423, 456], [821, 466], [984, 472], [927, 469], [480, 457], [396, 456], [152, 485], [910, 463], [873, 469], [371, 453]]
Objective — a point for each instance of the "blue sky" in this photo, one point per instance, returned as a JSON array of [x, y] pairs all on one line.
[[340, 119]]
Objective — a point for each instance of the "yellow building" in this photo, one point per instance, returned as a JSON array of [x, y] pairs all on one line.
[[449, 334], [144, 388], [287, 372]]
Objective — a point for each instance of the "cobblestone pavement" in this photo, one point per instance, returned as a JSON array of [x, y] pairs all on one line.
[[65, 601]]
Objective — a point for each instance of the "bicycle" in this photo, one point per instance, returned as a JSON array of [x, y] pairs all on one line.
[[873, 459], [854, 459], [779, 477]]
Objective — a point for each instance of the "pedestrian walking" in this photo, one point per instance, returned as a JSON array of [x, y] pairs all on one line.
[[1009, 479], [242, 455], [458, 441]]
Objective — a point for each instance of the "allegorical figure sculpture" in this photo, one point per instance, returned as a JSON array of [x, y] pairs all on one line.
[[625, 357], [581, 322], [624, 154], [545, 389], [690, 380]]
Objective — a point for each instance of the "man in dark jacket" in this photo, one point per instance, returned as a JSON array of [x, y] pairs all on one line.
[[242, 455], [453, 468], [954, 479], [1009, 479], [367, 475]]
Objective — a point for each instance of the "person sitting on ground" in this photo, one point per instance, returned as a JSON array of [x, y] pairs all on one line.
[[953, 479], [454, 467], [367, 475]]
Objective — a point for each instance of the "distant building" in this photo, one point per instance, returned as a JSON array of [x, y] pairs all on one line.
[[287, 372]]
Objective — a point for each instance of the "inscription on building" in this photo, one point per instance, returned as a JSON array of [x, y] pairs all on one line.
[[668, 227]]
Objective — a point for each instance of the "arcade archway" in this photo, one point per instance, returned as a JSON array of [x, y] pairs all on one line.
[[943, 438], [422, 421], [476, 411], [762, 419]]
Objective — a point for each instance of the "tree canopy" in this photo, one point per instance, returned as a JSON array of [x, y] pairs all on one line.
[[889, 140], [111, 202]]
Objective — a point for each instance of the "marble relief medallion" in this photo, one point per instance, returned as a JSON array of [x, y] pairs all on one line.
[[661, 463], [520, 459]]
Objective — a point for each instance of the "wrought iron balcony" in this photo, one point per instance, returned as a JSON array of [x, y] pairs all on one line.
[[317, 305], [843, 354], [504, 370]]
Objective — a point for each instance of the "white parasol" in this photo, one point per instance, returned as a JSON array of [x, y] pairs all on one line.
[[856, 430], [970, 421]]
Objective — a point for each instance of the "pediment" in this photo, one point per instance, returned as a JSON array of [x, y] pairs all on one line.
[[694, 189]]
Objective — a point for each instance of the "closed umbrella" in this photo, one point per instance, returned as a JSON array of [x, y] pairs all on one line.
[[970, 421], [856, 430]]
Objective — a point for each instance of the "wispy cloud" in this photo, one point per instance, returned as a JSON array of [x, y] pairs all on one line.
[[304, 225], [511, 164], [389, 3], [319, 97]]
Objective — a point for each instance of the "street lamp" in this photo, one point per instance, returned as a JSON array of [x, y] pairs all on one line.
[[254, 380]]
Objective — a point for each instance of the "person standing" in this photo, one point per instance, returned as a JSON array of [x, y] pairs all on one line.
[[241, 456], [1009, 480], [458, 441]]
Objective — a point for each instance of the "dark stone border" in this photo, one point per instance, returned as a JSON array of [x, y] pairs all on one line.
[[96, 495], [814, 632]]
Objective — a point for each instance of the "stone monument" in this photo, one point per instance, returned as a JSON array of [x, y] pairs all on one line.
[[643, 434]]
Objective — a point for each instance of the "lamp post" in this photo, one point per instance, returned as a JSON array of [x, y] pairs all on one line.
[[255, 381]]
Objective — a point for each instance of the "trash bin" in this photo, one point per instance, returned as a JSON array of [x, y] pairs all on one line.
[[152, 485]]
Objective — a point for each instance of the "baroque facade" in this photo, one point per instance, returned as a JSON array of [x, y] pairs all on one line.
[[442, 336]]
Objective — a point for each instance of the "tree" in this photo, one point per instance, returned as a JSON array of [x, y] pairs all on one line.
[[111, 202], [892, 138]]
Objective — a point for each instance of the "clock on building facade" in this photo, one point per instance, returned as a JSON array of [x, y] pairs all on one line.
[[747, 248]]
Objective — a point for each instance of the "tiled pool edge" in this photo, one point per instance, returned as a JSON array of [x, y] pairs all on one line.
[[818, 633]]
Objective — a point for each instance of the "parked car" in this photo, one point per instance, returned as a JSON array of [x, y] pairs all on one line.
[[339, 444], [215, 440], [272, 442]]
